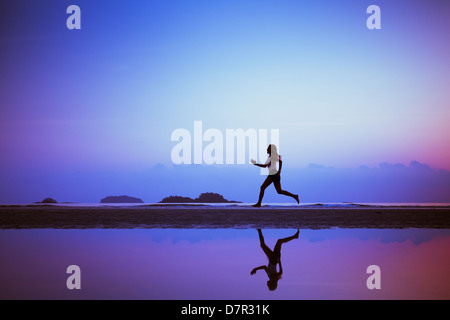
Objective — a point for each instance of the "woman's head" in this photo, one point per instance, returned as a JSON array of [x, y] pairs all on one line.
[[272, 283], [272, 151]]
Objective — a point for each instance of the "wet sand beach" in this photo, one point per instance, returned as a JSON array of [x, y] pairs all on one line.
[[228, 216]]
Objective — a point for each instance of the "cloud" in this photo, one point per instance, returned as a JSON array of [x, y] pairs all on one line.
[[388, 182]]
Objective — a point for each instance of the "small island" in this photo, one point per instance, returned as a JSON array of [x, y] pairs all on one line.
[[121, 199], [207, 197], [48, 200]]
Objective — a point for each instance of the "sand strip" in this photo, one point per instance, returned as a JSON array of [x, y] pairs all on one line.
[[59, 217]]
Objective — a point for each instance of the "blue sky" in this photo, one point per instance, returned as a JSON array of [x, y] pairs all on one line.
[[106, 98]]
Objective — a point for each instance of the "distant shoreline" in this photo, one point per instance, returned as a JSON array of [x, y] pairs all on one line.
[[237, 216]]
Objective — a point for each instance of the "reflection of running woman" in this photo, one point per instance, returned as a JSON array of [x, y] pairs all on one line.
[[274, 259], [274, 174]]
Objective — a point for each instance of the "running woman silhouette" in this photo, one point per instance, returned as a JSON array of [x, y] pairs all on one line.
[[274, 174], [274, 257]]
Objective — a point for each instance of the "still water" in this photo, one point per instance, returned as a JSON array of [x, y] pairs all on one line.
[[217, 263]]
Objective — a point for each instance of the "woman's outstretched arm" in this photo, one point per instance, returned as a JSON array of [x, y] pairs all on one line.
[[260, 165], [258, 268]]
